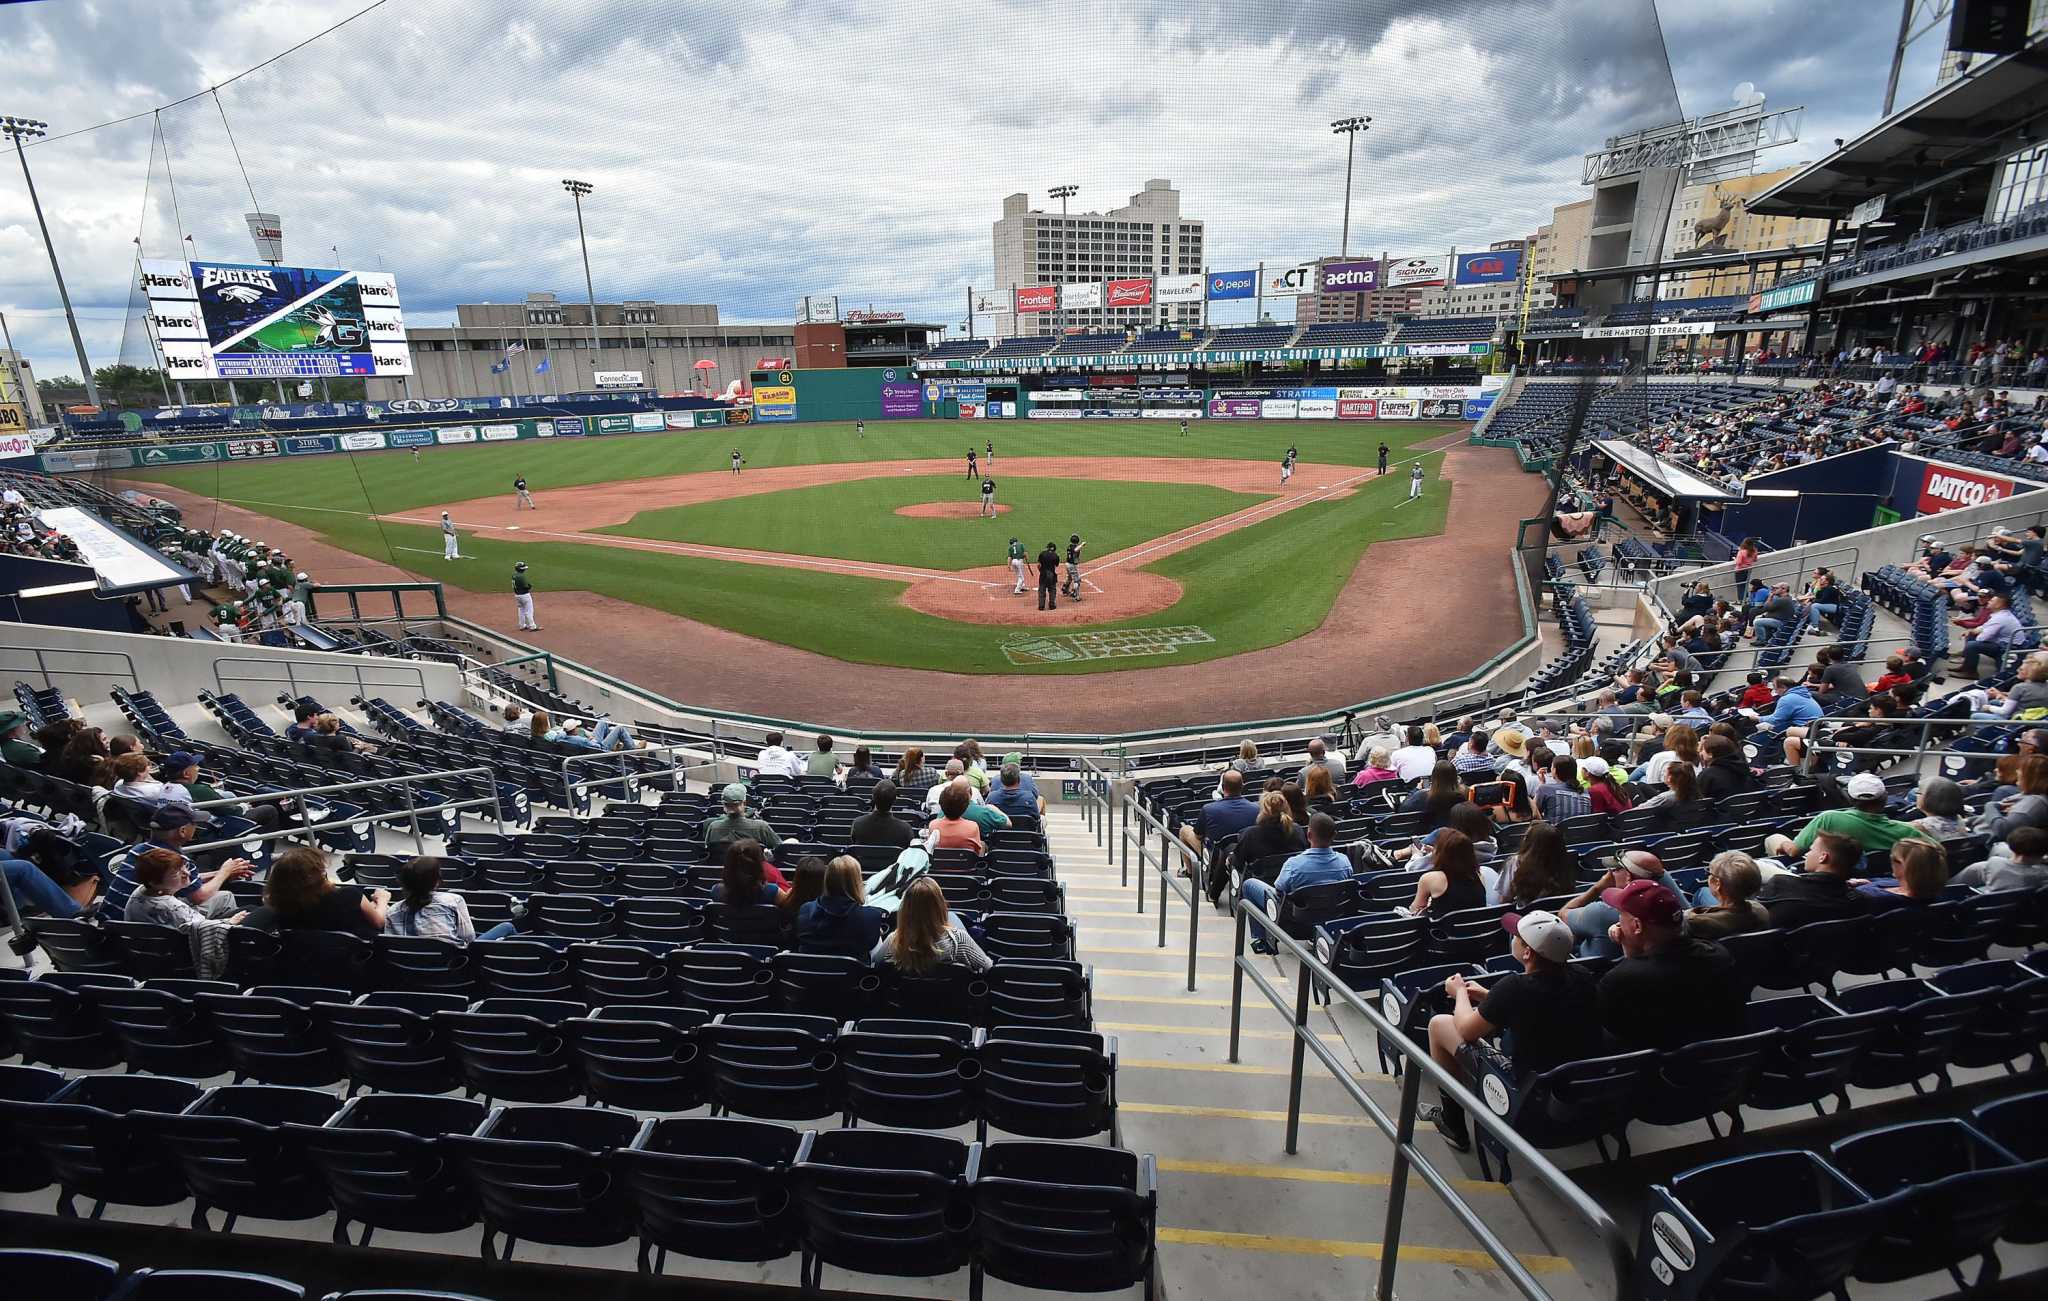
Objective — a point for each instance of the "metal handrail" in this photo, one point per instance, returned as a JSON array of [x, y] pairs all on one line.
[[291, 678], [1401, 1127], [628, 781], [1191, 894], [49, 674], [309, 827]]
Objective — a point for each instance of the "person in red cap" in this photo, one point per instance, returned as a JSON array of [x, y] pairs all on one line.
[[1591, 920], [1550, 1012], [1669, 988]]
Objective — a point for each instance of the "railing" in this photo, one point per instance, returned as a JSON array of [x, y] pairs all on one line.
[[1172, 851], [49, 674], [413, 809], [626, 779], [396, 591], [349, 670], [1420, 1067]]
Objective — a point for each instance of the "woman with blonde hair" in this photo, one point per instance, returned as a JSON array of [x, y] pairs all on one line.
[[1681, 745], [1432, 736], [1919, 875], [1276, 832], [926, 936], [840, 920], [1378, 767]]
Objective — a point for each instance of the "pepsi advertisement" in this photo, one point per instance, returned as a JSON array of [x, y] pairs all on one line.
[[1232, 284]]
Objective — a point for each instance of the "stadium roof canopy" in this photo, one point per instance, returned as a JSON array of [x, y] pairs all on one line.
[[1700, 262], [1944, 145]]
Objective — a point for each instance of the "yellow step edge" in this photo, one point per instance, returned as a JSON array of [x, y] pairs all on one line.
[[1306, 1174], [1204, 1031], [1467, 1258], [1234, 1068], [1241, 1113], [1180, 975], [1162, 1000]]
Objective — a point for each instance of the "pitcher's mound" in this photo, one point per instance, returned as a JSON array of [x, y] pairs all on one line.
[[946, 509]]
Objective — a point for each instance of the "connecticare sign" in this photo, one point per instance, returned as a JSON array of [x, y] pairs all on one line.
[[1946, 488]]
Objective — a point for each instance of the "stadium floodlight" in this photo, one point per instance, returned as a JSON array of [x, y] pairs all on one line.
[[18, 129], [1063, 193], [577, 189], [1348, 127]]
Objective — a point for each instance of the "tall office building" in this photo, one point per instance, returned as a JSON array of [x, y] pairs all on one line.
[[1145, 238]]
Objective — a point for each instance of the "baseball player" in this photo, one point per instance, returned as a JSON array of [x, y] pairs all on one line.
[[988, 497], [1017, 566], [1415, 481], [522, 597], [451, 549], [1183, 425], [991, 449], [737, 460], [1287, 467], [1049, 578], [860, 429], [1383, 458], [972, 473], [1074, 545], [525, 501], [415, 455]]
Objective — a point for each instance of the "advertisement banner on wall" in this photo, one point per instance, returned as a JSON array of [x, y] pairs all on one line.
[[609, 424], [1316, 409], [1448, 349], [1177, 289], [568, 426], [1038, 298], [1944, 487], [242, 449], [455, 434], [13, 418], [644, 422], [972, 410], [1398, 408], [1442, 408], [775, 403], [1300, 279], [1130, 293], [184, 455], [1415, 272], [1476, 408], [710, 419], [1493, 267], [503, 433], [92, 458], [1358, 409], [1053, 413], [1350, 277], [1225, 285], [1234, 408], [16, 445], [307, 446], [1277, 408], [414, 437], [1081, 294], [617, 379], [902, 399], [678, 420], [362, 442]]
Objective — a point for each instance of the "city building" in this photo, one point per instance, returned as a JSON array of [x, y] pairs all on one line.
[[18, 386], [640, 344], [1147, 237]]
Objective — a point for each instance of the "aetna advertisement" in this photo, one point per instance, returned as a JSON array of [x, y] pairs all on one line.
[[1350, 277], [1945, 487]]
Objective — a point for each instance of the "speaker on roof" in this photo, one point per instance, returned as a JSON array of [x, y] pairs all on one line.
[[1988, 26]]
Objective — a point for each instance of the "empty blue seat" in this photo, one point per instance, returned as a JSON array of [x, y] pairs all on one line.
[[1759, 1227], [205, 1285], [72, 1275], [384, 1164], [53, 1021], [543, 1174], [712, 1188], [1959, 1190], [1060, 1217], [890, 1203], [231, 1146], [642, 1056], [910, 1074], [96, 1137], [514, 1049], [774, 1065]]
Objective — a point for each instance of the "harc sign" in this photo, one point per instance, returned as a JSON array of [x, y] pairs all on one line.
[[1947, 488]]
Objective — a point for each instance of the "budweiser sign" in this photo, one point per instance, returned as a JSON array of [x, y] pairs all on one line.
[[1945, 487], [1038, 298], [1130, 293]]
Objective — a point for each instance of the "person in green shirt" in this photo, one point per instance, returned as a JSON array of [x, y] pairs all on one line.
[[823, 762], [1864, 822], [15, 747], [1017, 566]]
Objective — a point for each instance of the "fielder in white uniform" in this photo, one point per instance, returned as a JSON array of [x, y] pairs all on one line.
[[1415, 481], [450, 547], [522, 597]]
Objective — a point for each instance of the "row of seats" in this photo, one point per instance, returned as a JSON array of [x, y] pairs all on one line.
[[78, 1276], [1055, 1216]]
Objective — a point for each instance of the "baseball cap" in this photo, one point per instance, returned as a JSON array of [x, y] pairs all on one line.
[[1016, 757], [521, 566], [171, 816], [1541, 931], [1593, 766], [11, 720], [1864, 786], [180, 760], [1650, 901], [735, 793]]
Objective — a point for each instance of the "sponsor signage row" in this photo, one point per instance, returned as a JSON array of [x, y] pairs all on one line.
[[1415, 272], [1770, 300], [1180, 360], [1494, 267], [1350, 277]]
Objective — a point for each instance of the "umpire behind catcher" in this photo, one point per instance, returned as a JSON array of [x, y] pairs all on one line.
[[1049, 578]]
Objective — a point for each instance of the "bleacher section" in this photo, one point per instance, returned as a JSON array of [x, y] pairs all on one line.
[[1077, 344], [1167, 341], [959, 348], [1252, 336], [1344, 332], [1023, 346], [1447, 329]]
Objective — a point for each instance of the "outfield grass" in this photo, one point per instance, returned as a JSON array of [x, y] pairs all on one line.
[[857, 520], [1255, 587]]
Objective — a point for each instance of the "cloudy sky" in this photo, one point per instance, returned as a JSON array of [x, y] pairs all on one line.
[[746, 154]]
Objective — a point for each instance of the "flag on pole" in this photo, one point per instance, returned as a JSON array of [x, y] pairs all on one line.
[[515, 347], [541, 367], [500, 367]]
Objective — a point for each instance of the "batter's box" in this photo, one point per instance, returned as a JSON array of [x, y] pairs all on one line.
[[1070, 648]]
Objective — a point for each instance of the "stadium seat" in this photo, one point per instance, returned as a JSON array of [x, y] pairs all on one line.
[[389, 1040], [514, 1049], [910, 1074], [73, 1275], [205, 1285], [1058, 1217], [94, 1134], [231, 1146], [1048, 1083], [1816, 1050], [713, 1188], [1761, 1226], [162, 1031], [22, 1167], [272, 1035], [890, 1203], [54, 1022], [1590, 1101], [385, 1164], [543, 1174], [1959, 1190], [826, 984], [642, 1057], [774, 1066]]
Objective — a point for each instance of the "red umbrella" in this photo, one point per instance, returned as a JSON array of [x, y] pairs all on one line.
[[707, 365]]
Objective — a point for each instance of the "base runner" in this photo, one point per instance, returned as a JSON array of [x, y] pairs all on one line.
[[1415, 481], [1017, 566]]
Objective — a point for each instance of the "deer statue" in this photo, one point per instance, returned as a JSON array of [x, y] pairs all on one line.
[[1711, 232]]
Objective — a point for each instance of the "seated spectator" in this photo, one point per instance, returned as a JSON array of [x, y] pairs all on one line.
[[734, 824], [1379, 767], [954, 829], [913, 774], [160, 875], [1864, 821], [1839, 680], [1725, 772], [1774, 615], [303, 718], [85, 759], [840, 920], [1471, 821], [926, 936], [1726, 904], [300, 895], [425, 911], [1475, 757], [1010, 795], [805, 884], [2021, 863], [1795, 707], [1247, 760], [745, 878], [1603, 787], [862, 769], [1680, 805], [1919, 875], [822, 763], [776, 759], [1435, 801], [1320, 756], [1276, 832], [1222, 817], [1681, 746], [2028, 807], [954, 771], [1669, 988], [1548, 1014], [880, 826], [1940, 802], [1824, 891], [1416, 759], [182, 769], [1993, 637], [1561, 796], [1592, 918], [1316, 865], [1452, 881], [2026, 702], [607, 735], [968, 752], [135, 778], [1317, 789], [1895, 674], [1759, 694], [982, 814], [1542, 867]]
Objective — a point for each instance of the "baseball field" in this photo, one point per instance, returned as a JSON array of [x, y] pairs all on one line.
[[875, 550]]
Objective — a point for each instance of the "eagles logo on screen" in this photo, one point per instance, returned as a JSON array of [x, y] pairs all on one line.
[[256, 310]]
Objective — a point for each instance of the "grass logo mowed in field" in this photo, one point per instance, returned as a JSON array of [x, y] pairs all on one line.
[[1066, 648]]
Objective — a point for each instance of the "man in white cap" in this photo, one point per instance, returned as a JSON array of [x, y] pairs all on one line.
[[1864, 822], [522, 597], [450, 548], [1590, 917], [1550, 1012]]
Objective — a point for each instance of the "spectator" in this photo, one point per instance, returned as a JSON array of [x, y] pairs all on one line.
[[1548, 1014], [734, 824], [1839, 679], [926, 936], [47, 873], [1474, 758], [954, 771], [425, 911], [607, 735], [1919, 875], [840, 920], [1592, 916], [300, 895], [1726, 904], [1940, 803], [1864, 821], [1413, 761], [1993, 637], [1825, 891], [913, 774], [1896, 673], [160, 875], [182, 769], [1010, 796], [954, 829], [1681, 745], [85, 759], [1775, 614], [1513, 743], [1668, 988], [1562, 797], [1317, 789], [745, 880], [981, 813], [1379, 767], [863, 767], [822, 763], [1319, 756], [1316, 865], [1276, 832], [2020, 864], [1435, 801], [1247, 761], [1606, 791], [806, 884], [1758, 695], [2027, 701], [1222, 817], [135, 779], [1725, 771], [1542, 867], [1452, 881], [1680, 805], [1296, 805], [776, 760], [879, 826]]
